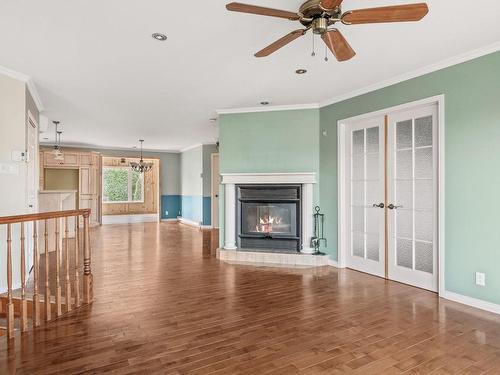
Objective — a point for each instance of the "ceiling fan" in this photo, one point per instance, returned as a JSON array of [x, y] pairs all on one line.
[[320, 15]]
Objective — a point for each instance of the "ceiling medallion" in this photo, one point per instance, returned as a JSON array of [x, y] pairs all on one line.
[[141, 166]]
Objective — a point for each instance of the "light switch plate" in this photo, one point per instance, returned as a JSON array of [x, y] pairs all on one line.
[[480, 279], [9, 168], [17, 155]]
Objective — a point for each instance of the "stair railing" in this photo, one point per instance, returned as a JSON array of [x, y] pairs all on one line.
[[72, 296]]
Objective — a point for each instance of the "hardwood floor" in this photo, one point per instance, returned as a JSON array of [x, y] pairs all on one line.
[[165, 305]]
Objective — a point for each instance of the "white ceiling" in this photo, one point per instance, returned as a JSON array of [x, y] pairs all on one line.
[[100, 73]]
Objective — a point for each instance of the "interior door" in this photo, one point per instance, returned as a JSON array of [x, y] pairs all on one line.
[[365, 195], [215, 190], [412, 197]]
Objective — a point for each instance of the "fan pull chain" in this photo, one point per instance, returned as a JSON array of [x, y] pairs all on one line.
[[313, 53], [326, 53]]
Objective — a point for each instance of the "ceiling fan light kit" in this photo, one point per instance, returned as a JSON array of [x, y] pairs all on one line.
[[320, 16]]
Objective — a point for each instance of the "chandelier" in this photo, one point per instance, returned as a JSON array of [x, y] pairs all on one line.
[[57, 143], [141, 166]]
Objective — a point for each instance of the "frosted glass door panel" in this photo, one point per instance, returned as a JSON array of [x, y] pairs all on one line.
[[364, 186], [412, 191]]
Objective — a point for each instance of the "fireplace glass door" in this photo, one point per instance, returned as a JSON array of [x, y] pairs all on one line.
[[270, 219]]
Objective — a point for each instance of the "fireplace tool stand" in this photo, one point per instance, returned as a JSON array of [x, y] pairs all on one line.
[[319, 237]]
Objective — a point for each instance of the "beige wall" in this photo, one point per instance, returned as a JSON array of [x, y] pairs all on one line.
[[15, 101], [61, 179]]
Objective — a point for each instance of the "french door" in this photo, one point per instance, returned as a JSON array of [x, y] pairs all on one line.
[[365, 194], [391, 188]]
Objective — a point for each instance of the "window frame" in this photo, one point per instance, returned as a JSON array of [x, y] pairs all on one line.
[[129, 185]]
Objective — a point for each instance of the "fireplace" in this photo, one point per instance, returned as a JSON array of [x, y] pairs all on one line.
[[269, 217]]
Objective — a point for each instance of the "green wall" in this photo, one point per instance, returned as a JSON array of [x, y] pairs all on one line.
[[282, 141], [472, 165], [253, 143]]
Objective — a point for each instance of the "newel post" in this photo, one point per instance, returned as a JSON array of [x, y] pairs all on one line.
[[87, 272]]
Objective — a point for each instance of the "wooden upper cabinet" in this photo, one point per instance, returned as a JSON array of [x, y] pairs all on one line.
[[71, 159], [86, 158]]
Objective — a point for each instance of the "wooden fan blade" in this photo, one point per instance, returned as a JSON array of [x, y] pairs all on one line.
[[338, 45], [245, 8], [397, 13], [280, 43], [330, 4]]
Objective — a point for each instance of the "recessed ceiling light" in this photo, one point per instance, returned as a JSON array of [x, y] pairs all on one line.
[[301, 71], [264, 103], [159, 36]]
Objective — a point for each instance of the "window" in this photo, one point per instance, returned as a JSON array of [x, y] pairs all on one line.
[[122, 185]]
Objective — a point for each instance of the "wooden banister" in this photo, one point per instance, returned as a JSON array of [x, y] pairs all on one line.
[[36, 270], [43, 216], [56, 239], [24, 302]]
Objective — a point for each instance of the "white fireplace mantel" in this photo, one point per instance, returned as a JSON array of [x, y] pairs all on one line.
[[230, 180], [268, 178]]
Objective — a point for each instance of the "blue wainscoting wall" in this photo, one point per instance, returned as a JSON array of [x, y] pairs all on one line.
[[191, 207], [207, 210], [172, 204]]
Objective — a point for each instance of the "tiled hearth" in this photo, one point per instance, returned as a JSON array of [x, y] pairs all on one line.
[[273, 258]]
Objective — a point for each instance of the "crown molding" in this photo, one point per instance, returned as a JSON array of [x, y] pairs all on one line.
[[90, 147], [34, 94], [274, 108], [455, 60], [191, 147], [29, 84]]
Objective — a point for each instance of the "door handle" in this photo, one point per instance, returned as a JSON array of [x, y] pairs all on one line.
[[380, 205], [393, 207]]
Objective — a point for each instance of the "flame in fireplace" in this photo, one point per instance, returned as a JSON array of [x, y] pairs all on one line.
[[266, 223]]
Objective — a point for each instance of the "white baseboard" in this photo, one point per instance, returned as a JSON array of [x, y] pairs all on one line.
[[470, 301], [169, 220], [191, 223], [333, 263], [206, 227], [129, 219]]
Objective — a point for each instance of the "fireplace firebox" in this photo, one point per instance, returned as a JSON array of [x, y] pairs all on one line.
[[269, 217]]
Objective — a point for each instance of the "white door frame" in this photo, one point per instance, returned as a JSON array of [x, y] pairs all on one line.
[[341, 175], [212, 193]]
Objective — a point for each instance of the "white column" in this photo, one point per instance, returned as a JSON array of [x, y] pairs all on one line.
[[307, 218], [230, 217]]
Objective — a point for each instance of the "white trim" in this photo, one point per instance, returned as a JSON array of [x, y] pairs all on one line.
[[268, 178], [29, 84], [196, 145], [333, 263], [34, 94], [129, 219], [470, 301], [274, 108], [13, 74], [212, 193], [189, 222], [341, 125], [169, 220], [441, 193], [206, 227], [455, 60]]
